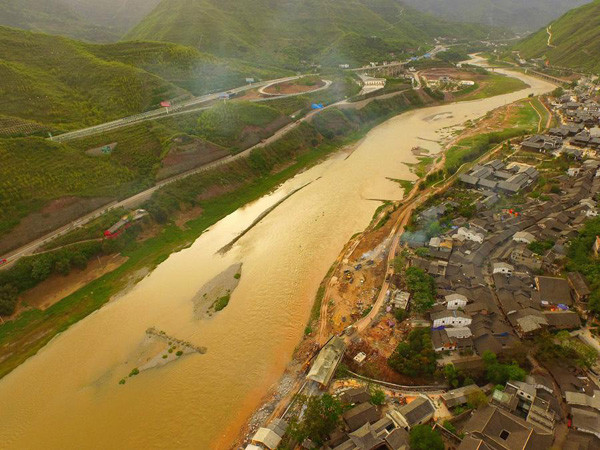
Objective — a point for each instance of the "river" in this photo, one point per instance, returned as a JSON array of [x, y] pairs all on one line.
[[69, 396]]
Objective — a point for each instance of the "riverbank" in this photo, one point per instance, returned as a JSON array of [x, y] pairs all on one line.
[[249, 179], [514, 119], [250, 342]]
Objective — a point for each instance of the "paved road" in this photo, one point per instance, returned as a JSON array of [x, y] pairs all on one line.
[[164, 112], [141, 197]]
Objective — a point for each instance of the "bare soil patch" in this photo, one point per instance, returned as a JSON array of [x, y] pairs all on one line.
[[55, 214], [57, 287], [187, 154], [287, 88], [252, 135], [185, 216]]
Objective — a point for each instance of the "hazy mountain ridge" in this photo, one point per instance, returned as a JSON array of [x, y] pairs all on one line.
[[51, 16], [575, 40], [90, 20], [518, 15], [289, 31]]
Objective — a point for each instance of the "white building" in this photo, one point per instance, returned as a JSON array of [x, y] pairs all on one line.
[[455, 301], [573, 171], [467, 83], [450, 318], [523, 237], [504, 268], [466, 233]]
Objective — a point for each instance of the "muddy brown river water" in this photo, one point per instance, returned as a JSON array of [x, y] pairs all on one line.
[[68, 395]]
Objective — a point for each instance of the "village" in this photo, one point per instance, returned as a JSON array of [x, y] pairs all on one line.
[[484, 334]]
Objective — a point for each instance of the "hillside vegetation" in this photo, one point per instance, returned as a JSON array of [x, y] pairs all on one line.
[[65, 84], [575, 40], [35, 172], [517, 15], [291, 31]]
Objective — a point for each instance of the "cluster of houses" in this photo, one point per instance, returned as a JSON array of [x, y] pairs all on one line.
[[485, 271], [367, 426], [578, 136], [495, 176], [492, 294], [499, 281]]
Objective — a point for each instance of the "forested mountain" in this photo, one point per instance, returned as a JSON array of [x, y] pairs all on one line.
[[575, 40], [518, 15], [288, 31]]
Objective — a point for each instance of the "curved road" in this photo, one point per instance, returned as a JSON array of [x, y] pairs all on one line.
[[165, 112]]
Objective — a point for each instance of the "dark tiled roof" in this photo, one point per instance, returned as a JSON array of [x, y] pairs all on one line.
[[360, 415]]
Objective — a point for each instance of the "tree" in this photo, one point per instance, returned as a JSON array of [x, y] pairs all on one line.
[[558, 92], [422, 252], [63, 266], [8, 299], [499, 373], [451, 375], [41, 268], [422, 437], [79, 260], [399, 314], [422, 287], [477, 399], [377, 396], [415, 356], [449, 426], [321, 417]]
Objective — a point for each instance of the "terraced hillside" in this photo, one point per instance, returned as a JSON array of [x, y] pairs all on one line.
[[575, 40], [290, 31]]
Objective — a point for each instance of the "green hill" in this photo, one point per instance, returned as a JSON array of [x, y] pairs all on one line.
[[290, 31], [575, 40], [517, 15], [65, 84]]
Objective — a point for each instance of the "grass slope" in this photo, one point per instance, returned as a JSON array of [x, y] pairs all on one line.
[[575, 37], [289, 31]]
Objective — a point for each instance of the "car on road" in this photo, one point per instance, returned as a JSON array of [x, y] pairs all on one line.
[[3, 261]]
